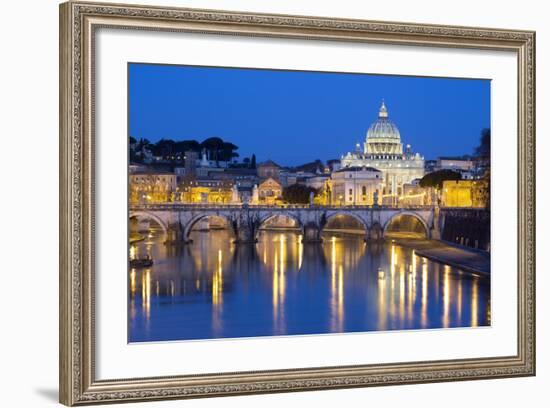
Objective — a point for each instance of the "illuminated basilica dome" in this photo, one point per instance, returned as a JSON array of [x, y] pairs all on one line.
[[383, 127], [383, 137]]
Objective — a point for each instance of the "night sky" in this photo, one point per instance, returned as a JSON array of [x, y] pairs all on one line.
[[295, 117]]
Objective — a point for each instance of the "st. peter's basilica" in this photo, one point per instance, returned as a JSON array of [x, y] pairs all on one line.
[[384, 151]]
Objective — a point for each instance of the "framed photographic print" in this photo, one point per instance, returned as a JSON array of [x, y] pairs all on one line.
[[256, 203]]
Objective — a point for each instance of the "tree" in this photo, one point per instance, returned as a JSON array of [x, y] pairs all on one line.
[[228, 151], [253, 162], [298, 194], [187, 145], [219, 150], [212, 146], [164, 147], [216, 148], [436, 178], [483, 156], [483, 151], [481, 192], [143, 143]]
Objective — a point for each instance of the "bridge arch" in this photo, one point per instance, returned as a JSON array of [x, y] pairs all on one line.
[[406, 214], [189, 226], [356, 217], [272, 215], [145, 215]]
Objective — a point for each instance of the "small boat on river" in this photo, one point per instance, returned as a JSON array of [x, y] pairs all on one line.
[[141, 262]]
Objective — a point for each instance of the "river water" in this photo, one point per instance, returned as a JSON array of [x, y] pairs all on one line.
[[215, 289]]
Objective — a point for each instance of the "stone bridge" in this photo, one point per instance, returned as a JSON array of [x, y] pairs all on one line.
[[177, 220]]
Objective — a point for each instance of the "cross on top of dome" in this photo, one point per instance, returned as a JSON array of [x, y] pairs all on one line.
[[383, 112]]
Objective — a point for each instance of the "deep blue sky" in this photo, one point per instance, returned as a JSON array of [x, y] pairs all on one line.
[[294, 117]]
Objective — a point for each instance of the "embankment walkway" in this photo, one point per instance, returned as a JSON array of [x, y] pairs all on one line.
[[471, 260]]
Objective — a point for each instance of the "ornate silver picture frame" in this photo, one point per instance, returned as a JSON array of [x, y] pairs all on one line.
[[79, 22]]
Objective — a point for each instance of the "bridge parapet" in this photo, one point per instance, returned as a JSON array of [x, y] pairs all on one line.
[[194, 207], [178, 219]]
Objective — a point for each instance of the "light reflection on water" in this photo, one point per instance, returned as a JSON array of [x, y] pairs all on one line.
[[215, 289]]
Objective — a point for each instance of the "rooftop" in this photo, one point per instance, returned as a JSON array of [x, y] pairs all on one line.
[[152, 172], [456, 158], [268, 163], [357, 168]]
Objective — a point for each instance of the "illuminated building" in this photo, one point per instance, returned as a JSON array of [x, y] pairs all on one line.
[[269, 191], [356, 186], [242, 177], [149, 187], [384, 151], [414, 195], [463, 193], [206, 192]]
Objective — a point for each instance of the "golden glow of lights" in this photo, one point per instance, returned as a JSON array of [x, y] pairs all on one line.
[[278, 290], [133, 251], [217, 293], [475, 303], [146, 293], [275, 286], [411, 196], [217, 282], [424, 315], [333, 262], [300, 252], [282, 260], [282, 251], [392, 281], [215, 290], [446, 294], [336, 287], [402, 292], [341, 297], [436, 276], [133, 281], [337, 290], [392, 267]]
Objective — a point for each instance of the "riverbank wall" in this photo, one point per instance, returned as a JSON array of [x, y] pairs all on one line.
[[467, 227]]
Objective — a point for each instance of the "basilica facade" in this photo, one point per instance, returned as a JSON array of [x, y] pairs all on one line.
[[384, 151]]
